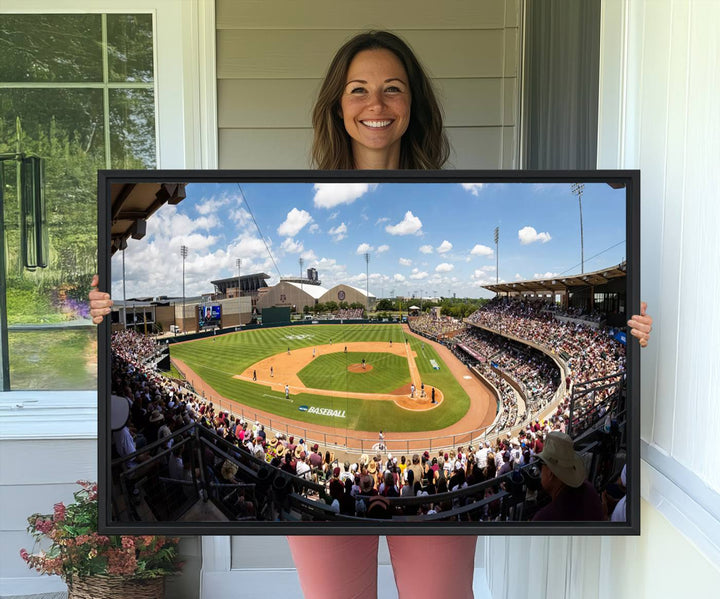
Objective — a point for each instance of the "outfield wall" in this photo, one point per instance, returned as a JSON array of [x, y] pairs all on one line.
[[273, 325]]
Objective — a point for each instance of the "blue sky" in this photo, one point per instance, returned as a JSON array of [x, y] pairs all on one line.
[[433, 239]]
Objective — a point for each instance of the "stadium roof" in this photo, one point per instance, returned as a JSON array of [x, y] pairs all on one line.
[[360, 290], [133, 203], [314, 291], [258, 275], [560, 283]]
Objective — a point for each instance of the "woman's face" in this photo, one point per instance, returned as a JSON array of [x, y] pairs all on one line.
[[375, 107]]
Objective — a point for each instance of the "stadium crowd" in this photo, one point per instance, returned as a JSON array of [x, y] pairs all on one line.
[[435, 327], [589, 353], [159, 406], [349, 313]]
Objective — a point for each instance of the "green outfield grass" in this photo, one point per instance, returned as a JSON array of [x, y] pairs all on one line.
[[389, 372], [217, 360]]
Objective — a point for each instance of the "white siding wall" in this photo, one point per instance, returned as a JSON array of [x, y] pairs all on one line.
[[271, 57], [659, 87]]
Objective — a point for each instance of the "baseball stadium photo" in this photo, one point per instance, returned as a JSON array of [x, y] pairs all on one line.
[[302, 351]]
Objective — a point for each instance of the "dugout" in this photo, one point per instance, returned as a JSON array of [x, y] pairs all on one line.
[[275, 315]]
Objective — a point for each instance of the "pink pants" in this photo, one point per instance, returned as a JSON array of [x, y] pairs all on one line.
[[346, 567]]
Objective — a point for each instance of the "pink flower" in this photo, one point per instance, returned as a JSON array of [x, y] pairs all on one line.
[[128, 543], [44, 526], [59, 512], [121, 562], [25, 555]]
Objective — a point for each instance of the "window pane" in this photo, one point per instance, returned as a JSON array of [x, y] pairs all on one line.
[[50, 48], [132, 128], [130, 48], [53, 120], [53, 359], [65, 128]]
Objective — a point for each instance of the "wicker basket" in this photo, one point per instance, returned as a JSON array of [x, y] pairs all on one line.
[[116, 587]]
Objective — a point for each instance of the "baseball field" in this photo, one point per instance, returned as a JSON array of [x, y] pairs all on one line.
[[327, 382]]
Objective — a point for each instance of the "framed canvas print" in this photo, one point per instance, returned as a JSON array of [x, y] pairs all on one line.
[[369, 352]]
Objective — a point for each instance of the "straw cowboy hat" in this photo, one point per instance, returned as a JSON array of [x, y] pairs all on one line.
[[372, 467], [280, 450], [298, 452], [273, 442], [228, 470], [559, 455]]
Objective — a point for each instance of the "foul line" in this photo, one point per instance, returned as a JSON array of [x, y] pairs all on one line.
[[277, 397]]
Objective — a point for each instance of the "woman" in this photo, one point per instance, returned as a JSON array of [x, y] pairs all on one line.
[[376, 109]]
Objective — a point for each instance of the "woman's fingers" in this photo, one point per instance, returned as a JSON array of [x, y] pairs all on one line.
[[100, 302]]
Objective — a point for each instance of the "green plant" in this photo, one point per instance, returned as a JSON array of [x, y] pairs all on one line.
[[77, 550]]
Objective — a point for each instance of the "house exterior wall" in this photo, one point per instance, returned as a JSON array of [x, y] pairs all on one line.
[[271, 58]]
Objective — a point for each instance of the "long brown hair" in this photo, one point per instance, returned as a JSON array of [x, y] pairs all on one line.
[[424, 144]]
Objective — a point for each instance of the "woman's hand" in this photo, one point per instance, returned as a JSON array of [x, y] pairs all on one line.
[[641, 325], [100, 302]]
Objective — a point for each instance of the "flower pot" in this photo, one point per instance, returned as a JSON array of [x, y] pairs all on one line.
[[116, 587]]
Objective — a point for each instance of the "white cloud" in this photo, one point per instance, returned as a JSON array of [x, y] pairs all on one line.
[[547, 275], [481, 250], [481, 275], [444, 267], [338, 233], [240, 216], [364, 248], [309, 256], [473, 188], [248, 247], [418, 275], [398, 278], [488, 268], [530, 235], [517, 276], [381, 220], [444, 247], [314, 228], [294, 222], [405, 261], [329, 195], [211, 205], [291, 246], [333, 216], [409, 225], [426, 249], [382, 249]]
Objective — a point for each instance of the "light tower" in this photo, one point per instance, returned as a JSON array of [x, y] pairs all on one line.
[[301, 262], [497, 255], [577, 189], [183, 253], [238, 263], [367, 281]]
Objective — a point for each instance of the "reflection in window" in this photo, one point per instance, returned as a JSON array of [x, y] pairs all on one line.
[[78, 91]]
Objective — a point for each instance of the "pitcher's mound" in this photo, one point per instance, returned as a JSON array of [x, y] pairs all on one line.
[[359, 368]]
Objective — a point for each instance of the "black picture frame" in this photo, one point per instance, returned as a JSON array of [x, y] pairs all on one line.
[[627, 179]]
